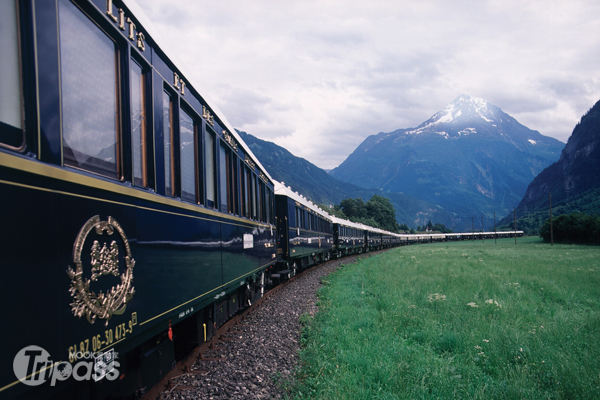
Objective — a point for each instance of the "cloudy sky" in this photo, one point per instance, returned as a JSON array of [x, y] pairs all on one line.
[[318, 77]]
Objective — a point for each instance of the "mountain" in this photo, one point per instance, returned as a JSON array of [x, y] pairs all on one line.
[[471, 158], [574, 180], [320, 187]]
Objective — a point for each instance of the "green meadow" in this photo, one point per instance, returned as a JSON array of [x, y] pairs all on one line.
[[466, 320]]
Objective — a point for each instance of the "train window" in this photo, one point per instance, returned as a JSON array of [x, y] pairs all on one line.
[[254, 206], [249, 203], [261, 201], [209, 167], [223, 180], [244, 189], [273, 217], [187, 140], [11, 124], [268, 206], [242, 185], [138, 125], [232, 179], [271, 206], [89, 94], [168, 144], [227, 164]]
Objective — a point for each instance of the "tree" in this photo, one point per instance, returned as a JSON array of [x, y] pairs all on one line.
[[441, 228], [382, 211], [378, 212], [354, 208], [336, 211], [430, 225]]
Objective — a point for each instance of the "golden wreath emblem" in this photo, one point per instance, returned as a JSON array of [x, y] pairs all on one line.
[[104, 261]]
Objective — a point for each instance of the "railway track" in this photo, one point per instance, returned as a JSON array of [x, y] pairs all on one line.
[[254, 346]]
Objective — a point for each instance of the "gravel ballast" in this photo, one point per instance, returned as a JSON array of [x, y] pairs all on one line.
[[258, 352]]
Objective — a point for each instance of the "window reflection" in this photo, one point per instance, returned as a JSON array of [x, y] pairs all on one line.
[[11, 132], [209, 160], [88, 93], [168, 144], [138, 125], [188, 163], [223, 179]]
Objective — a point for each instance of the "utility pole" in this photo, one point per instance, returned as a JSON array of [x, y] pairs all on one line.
[[551, 233], [482, 239], [495, 234], [473, 228], [515, 213]]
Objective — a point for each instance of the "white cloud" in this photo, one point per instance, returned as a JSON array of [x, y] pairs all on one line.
[[318, 77]]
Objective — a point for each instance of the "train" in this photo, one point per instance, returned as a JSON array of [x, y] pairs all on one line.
[[134, 219]]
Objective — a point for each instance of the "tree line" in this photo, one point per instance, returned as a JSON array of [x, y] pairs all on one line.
[[573, 228], [377, 212]]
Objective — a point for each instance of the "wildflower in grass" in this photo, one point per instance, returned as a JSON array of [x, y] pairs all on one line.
[[492, 301], [472, 304], [412, 306], [486, 340], [478, 347], [436, 297]]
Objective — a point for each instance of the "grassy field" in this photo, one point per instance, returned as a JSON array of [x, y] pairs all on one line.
[[466, 320]]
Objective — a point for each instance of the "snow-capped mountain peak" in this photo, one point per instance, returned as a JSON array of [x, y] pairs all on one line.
[[465, 110], [466, 106]]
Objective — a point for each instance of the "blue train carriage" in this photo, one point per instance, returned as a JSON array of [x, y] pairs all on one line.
[[135, 221], [374, 238], [390, 239], [304, 232], [399, 239], [386, 239], [482, 235], [349, 237]]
